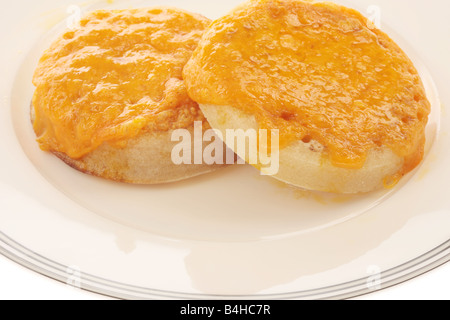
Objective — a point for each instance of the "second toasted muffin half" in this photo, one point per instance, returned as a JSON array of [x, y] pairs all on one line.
[[349, 105]]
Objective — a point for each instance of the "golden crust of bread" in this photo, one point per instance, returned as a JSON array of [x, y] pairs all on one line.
[[306, 165]]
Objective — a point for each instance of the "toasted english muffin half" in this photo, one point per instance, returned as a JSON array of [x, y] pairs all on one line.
[[110, 94], [349, 105]]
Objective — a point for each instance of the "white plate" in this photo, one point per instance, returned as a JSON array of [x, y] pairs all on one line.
[[232, 234]]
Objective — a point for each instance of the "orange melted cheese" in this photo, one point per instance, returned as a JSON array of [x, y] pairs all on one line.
[[117, 75], [314, 71]]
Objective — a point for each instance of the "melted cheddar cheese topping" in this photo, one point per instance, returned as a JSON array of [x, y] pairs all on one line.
[[315, 71], [116, 75]]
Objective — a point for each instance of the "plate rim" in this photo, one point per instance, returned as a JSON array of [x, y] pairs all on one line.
[[33, 261]]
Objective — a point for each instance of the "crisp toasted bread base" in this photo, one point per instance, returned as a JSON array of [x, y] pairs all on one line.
[[306, 165], [146, 159]]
